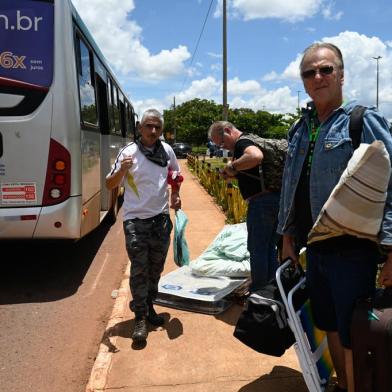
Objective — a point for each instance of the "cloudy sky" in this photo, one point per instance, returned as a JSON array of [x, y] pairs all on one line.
[[161, 49]]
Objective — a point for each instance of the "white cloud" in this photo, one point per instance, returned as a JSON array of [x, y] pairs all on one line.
[[132, 60], [247, 94], [329, 13], [292, 70], [360, 79], [249, 87], [126, 53], [215, 55], [274, 101], [207, 88], [271, 76], [142, 105], [291, 11], [216, 67], [360, 69]]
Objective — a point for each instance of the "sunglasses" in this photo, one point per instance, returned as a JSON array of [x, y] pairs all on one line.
[[311, 73]]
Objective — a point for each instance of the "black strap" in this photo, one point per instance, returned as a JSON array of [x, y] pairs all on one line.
[[261, 174], [356, 125]]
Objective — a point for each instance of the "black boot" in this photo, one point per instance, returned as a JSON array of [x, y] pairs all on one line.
[[153, 318], [140, 331]]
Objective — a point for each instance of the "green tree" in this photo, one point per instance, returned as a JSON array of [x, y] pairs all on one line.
[[192, 119]]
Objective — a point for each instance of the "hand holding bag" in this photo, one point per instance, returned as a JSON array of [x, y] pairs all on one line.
[[180, 246]]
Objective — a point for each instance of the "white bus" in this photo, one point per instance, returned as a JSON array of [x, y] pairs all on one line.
[[63, 118]]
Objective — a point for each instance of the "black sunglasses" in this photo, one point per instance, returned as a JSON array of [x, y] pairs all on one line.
[[311, 73]]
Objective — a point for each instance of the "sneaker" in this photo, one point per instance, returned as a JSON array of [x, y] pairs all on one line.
[[140, 331], [153, 318]]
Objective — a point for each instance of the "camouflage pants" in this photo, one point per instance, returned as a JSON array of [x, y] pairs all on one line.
[[147, 242]]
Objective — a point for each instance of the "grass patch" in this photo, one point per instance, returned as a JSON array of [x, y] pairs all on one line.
[[200, 150]]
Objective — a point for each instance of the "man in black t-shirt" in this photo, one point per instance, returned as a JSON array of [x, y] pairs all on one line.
[[262, 215]]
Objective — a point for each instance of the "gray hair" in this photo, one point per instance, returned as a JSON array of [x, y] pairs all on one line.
[[151, 113], [323, 45], [218, 127]]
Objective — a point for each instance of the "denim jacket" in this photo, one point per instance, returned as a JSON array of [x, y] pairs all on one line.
[[332, 151]]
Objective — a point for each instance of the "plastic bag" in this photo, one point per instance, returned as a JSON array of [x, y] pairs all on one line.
[[180, 246]]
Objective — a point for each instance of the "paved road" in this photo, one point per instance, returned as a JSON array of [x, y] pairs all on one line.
[[55, 300]]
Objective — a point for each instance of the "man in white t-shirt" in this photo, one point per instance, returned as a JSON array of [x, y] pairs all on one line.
[[143, 167]]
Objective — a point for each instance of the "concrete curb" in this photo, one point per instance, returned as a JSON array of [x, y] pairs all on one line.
[[103, 361]]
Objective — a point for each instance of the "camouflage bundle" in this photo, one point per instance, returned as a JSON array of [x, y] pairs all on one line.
[[271, 169]]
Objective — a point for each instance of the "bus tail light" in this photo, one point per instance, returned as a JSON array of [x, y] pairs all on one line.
[[58, 175], [59, 179]]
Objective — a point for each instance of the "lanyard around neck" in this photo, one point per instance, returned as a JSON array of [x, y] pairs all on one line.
[[314, 128]]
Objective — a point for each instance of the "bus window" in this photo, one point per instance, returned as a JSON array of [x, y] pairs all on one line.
[[116, 111], [130, 124], [88, 107], [127, 125], [102, 105], [110, 100], [133, 124], [123, 120]]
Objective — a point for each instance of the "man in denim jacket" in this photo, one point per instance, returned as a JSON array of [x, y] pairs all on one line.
[[341, 269]]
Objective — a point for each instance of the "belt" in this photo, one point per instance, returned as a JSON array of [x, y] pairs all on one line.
[[151, 219]]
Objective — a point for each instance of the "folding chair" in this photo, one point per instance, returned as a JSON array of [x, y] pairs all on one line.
[[311, 344]]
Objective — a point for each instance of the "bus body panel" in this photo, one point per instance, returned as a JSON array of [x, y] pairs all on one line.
[[68, 213], [91, 165], [12, 224], [91, 214], [24, 160]]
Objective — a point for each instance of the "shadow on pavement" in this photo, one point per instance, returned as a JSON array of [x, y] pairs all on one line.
[[44, 271], [280, 379], [173, 327], [231, 315]]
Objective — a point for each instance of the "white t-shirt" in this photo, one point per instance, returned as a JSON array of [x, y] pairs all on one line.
[[146, 189]]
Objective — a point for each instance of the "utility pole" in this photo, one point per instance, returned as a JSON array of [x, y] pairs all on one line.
[[174, 120], [298, 106], [225, 108], [377, 59]]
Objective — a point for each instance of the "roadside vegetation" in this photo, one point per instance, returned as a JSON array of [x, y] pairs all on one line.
[[226, 194]]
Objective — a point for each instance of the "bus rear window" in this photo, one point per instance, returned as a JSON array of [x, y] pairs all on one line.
[[26, 44]]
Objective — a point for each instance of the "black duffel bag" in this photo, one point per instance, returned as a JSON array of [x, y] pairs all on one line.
[[262, 325]]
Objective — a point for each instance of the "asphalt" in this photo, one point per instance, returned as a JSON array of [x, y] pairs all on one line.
[[192, 352]]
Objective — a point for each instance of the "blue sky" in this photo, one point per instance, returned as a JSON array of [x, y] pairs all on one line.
[[151, 47]]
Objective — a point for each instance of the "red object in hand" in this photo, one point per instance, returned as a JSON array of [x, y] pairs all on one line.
[[174, 178]]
